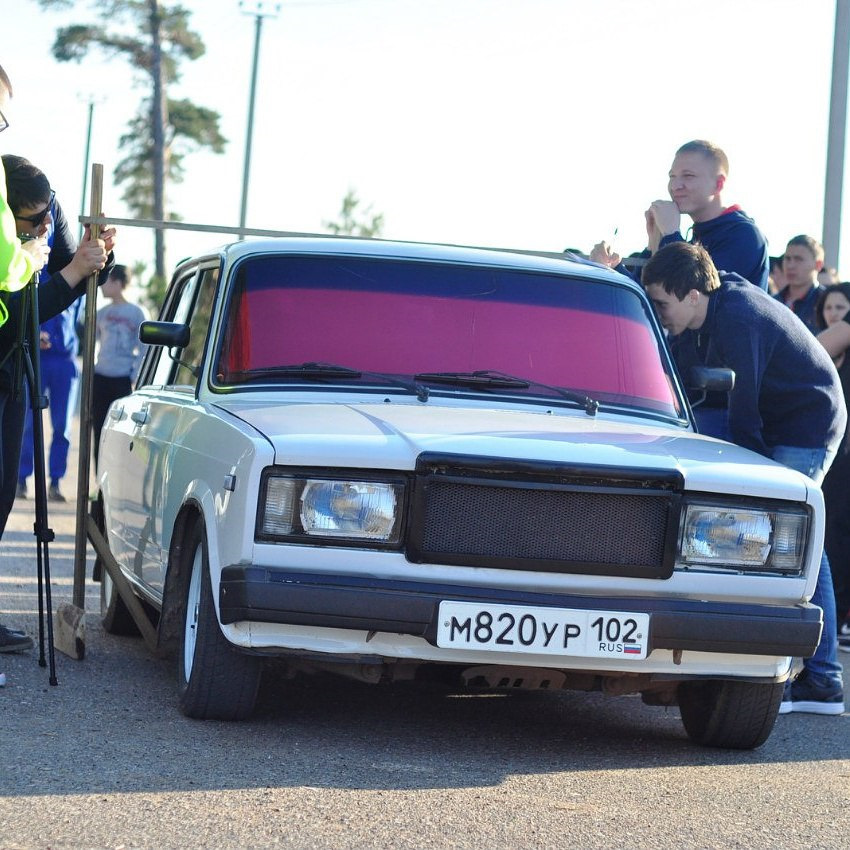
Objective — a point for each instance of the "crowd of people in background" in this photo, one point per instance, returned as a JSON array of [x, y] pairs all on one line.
[[782, 324]]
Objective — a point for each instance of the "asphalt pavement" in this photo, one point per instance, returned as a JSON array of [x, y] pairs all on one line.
[[105, 760]]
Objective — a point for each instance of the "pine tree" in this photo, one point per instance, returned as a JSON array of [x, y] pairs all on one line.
[[154, 39]]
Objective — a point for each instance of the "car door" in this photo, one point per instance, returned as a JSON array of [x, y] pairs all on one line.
[[162, 436], [141, 439]]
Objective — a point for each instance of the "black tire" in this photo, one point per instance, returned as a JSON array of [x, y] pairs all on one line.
[[114, 614], [215, 681], [736, 715]]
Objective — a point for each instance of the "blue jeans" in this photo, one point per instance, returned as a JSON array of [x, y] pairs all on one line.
[[59, 381], [815, 463], [713, 422]]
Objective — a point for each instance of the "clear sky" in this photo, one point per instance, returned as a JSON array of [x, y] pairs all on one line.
[[539, 124]]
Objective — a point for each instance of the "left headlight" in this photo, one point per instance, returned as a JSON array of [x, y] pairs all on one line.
[[771, 540], [301, 508]]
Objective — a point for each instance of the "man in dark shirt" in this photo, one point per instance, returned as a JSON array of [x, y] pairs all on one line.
[[697, 178], [802, 261], [38, 212], [787, 403]]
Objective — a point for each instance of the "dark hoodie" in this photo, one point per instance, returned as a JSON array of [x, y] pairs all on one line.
[[734, 243], [787, 391]]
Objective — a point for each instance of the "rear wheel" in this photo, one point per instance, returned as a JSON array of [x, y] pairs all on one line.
[[215, 682], [115, 616], [737, 715]]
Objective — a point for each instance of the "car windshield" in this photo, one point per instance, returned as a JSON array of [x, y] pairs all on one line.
[[348, 321]]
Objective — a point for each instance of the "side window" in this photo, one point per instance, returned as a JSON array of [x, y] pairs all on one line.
[[191, 357], [160, 368]]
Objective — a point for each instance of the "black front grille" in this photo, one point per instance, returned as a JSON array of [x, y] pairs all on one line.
[[561, 519]]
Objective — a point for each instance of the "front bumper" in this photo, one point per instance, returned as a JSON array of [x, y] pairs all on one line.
[[271, 595]]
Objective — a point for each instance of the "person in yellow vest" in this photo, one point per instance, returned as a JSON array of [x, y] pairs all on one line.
[[18, 263]]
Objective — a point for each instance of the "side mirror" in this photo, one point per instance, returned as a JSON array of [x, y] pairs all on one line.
[[706, 379], [170, 334]]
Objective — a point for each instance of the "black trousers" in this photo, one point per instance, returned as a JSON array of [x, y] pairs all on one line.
[[836, 494], [12, 413], [104, 391]]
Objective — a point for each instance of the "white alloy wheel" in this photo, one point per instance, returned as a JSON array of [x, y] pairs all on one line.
[[193, 604], [215, 681], [106, 591]]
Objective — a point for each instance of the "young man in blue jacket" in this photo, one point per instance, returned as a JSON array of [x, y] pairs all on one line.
[[786, 404], [801, 263], [696, 180]]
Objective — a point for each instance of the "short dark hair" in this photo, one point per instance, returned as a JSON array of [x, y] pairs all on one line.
[[775, 263], [26, 185], [709, 150], [5, 81], [810, 244], [120, 273], [843, 288], [680, 267]]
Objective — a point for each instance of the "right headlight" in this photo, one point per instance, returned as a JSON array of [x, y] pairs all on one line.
[[744, 538]]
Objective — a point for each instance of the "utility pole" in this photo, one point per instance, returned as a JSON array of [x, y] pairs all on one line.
[[837, 134], [259, 13], [91, 103], [159, 122]]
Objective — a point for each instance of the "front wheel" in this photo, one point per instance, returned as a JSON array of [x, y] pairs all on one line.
[[723, 713], [215, 682]]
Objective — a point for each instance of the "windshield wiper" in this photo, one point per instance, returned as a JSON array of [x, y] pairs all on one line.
[[481, 378], [300, 370], [329, 371], [488, 377]]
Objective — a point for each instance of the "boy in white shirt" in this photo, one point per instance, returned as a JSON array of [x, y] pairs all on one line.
[[120, 352]]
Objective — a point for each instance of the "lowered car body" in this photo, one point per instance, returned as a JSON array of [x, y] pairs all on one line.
[[388, 458]]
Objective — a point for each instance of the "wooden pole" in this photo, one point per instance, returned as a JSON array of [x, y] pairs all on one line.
[[155, 224], [83, 468]]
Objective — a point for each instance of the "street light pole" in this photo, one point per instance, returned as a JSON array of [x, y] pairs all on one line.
[[259, 14], [837, 133], [86, 166]]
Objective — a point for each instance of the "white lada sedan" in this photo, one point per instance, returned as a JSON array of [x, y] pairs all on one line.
[[389, 459]]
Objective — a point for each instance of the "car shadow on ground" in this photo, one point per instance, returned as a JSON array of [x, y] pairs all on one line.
[[112, 724]]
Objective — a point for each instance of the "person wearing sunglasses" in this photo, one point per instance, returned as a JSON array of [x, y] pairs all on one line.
[[38, 213], [37, 222], [18, 263], [17, 266]]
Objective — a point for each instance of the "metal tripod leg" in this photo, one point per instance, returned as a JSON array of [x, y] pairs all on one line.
[[43, 533]]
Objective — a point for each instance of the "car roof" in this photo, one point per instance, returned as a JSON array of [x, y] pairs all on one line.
[[540, 261]]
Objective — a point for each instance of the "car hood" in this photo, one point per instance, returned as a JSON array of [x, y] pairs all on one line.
[[392, 435]]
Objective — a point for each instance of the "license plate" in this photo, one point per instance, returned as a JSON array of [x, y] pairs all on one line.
[[542, 631]]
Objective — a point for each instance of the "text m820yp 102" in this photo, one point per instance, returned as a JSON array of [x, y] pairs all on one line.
[[543, 631]]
